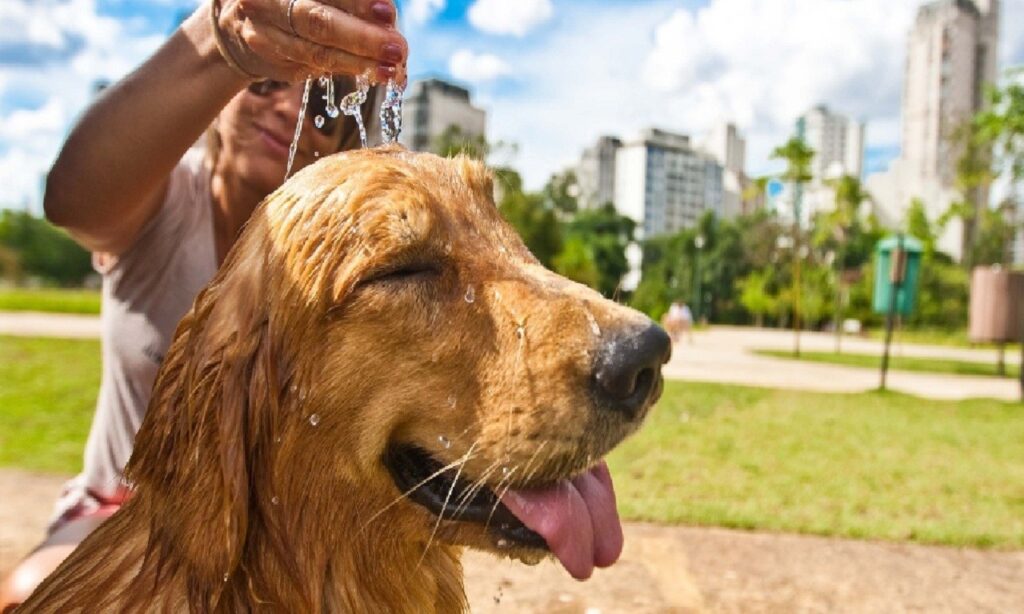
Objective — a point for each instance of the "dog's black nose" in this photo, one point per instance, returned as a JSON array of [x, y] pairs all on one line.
[[629, 367]]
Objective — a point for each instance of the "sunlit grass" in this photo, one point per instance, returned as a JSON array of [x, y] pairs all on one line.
[[50, 300], [902, 363]]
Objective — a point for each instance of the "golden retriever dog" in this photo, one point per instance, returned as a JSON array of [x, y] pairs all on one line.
[[380, 375]]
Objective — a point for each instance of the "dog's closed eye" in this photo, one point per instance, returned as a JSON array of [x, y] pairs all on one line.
[[401, 273]]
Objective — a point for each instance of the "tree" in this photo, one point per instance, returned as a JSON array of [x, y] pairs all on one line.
[[576, 261], [42, 250], [561, 193], [453, 141], [1003, 125], [798, 157], [537, 225], [606, 234], [756, 297]]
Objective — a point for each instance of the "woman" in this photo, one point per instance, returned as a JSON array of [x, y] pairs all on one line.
[[160, 217]]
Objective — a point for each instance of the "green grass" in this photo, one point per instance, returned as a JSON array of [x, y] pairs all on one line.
[[874, 465], [902, 363], [877, 465], [951, 338], [47, 396], [50, 300]]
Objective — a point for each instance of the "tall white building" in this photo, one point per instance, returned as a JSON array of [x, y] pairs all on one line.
[[431, 107], [837, 141], [664, 184], [595, 174], [951, 57], [725, 145]]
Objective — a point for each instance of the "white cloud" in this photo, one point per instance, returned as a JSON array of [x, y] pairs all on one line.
[[477, 68], [50, 55], [421, 11], [762, 64], [515, 17]]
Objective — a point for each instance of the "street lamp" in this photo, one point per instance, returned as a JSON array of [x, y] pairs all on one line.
[[698, 242]]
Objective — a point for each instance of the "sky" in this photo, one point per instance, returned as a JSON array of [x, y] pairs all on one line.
[[553, 75]]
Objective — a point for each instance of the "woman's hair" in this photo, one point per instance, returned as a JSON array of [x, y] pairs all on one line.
[[349, 131]]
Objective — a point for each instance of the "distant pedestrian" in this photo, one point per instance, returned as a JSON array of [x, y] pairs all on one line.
[[678, 321]]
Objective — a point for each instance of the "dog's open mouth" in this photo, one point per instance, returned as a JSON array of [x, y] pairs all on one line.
[[575, 519]]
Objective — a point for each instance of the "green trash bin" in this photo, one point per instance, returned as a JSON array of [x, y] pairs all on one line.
[[891, 266]]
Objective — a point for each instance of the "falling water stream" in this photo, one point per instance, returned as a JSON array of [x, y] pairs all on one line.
[[351, 105]]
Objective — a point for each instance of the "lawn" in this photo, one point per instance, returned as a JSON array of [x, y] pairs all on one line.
[[902, 363], [47, 395], [877, 465], [926, 336], [51, 300]]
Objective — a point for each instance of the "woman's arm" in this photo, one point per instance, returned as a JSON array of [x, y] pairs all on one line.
[[111, 174]]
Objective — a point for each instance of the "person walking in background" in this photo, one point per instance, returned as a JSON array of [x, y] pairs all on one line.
[[160, 216]]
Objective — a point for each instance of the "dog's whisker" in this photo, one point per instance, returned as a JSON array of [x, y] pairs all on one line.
[[500, 492], [447, 498], [408, 492], [474, 488]]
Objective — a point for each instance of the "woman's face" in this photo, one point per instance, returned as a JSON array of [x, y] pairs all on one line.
[[256, 131]]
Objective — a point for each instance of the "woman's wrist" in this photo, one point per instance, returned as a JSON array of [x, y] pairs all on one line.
[[202, 30], [222, 44]]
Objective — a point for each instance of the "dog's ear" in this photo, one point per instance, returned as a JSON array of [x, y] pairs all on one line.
[[211, 417]]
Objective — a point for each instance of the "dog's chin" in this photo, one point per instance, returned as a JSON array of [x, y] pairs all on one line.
[[471, 514]]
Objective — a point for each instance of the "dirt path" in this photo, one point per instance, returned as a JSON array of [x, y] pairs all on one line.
[[680, 569]]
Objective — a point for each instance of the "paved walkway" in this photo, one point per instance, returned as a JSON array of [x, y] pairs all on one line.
[[725, 354], [30, 324], [722, 354]]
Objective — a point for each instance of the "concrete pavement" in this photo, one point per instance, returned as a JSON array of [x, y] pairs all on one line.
[[725, 355]]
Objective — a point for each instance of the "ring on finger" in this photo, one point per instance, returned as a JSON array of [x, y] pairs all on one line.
[[291, 10]]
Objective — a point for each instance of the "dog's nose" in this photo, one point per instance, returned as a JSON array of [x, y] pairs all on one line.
[[629, 368]]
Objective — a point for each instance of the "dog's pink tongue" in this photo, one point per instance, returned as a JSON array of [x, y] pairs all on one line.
[[576, 518]]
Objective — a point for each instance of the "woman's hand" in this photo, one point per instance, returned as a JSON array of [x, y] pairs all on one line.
[[288, 40]]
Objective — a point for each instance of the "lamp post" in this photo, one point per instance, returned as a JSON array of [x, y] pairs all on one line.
[[698, 243]]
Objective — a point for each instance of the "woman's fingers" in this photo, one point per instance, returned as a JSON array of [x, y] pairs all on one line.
[[359, 28], [316, 59]]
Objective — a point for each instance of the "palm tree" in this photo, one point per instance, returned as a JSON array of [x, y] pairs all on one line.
[[798, 157], [850, 194]]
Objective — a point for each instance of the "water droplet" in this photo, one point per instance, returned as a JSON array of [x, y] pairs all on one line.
[[470, 294], [314, 419], [302, 394], [294, 388], [497, 295], [316, 154], [520, 332], [447, 248], [444, 441], [275, 501], [505, 471], [318, 121], [277, 439], [226, 577], [502, 543]]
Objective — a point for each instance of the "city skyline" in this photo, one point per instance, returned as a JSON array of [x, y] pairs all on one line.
[[553, 76]]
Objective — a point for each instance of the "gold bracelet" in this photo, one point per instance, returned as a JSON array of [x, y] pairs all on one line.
[[222, 47]]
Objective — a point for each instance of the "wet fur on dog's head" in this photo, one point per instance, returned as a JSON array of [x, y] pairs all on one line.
[[376, 303]]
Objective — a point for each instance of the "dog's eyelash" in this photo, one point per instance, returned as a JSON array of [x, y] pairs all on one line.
[[403, 273]]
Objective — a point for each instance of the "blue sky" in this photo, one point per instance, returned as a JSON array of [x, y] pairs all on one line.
[[552, 74]]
